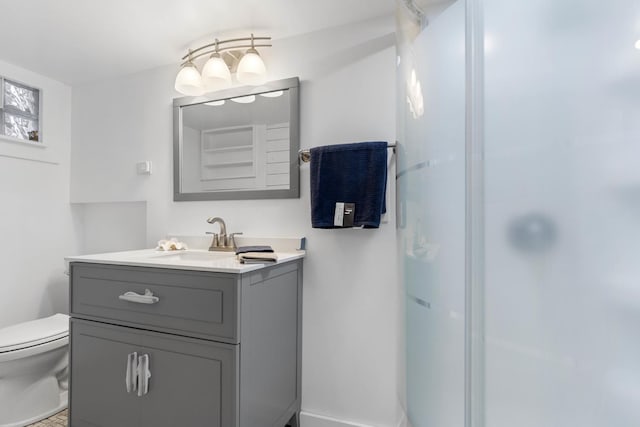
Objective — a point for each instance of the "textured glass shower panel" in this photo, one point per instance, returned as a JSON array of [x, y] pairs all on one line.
[[431, 184], [562, 213]]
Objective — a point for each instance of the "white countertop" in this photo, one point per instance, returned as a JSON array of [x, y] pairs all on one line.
[[191, 259]]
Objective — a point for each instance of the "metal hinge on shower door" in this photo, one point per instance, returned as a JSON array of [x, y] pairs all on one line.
[[138, 373]]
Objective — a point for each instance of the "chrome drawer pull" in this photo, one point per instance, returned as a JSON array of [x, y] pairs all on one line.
[[147, 298]]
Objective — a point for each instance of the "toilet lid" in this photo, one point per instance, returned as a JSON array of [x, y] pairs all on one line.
[[34, 332]]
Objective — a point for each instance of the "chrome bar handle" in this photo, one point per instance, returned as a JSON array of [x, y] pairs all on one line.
[[131, 378], [144, 374], [147, 298]]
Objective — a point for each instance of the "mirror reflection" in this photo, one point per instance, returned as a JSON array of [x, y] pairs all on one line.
[[240, 146]]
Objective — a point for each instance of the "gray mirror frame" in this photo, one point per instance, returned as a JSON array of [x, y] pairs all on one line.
[[293, 85]]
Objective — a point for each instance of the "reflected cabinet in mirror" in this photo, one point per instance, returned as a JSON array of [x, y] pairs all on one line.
[[239, 143]]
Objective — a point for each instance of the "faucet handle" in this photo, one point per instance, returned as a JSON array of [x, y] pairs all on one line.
[[215, 242], [231, 241]]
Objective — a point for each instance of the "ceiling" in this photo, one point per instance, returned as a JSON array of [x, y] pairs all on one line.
[[78, 41]]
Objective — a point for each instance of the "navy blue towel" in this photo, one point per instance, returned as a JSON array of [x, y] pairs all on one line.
[[349, 173]]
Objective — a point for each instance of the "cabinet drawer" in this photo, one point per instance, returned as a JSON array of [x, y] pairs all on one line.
[[192, 382], [198, 304]]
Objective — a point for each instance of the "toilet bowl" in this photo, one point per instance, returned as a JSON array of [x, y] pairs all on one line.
[[33, 370]]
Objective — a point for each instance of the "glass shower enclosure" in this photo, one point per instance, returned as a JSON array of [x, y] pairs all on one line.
[[519, 212]]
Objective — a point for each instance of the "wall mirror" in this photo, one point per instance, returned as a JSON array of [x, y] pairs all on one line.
[[238, 143]]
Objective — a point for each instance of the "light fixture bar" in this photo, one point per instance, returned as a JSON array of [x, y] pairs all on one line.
[[220, 49]]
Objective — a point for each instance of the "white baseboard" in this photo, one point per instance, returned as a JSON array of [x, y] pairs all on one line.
[[308, 419], [314, 420]]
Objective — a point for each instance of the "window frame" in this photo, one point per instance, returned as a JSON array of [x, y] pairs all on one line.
[[7, 138]]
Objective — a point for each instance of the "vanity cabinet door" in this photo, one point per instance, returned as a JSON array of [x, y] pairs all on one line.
[[99, 396], [190, 382], [193, 382]]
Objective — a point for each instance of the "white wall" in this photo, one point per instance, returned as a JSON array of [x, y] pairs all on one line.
[[36, 220], [350, 301], [109, 227]]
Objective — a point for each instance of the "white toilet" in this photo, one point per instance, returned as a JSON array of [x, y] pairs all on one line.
[[33, 370]]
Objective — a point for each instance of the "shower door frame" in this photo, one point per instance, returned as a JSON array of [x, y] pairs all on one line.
[[474, 215]]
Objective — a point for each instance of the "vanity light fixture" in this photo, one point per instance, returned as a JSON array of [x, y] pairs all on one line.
[[274, 94], [251, 69], [244, 99], [225, 57], [215, 103], [188, 80]]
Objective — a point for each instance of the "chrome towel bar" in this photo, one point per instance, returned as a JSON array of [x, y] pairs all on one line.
[[305, 155]]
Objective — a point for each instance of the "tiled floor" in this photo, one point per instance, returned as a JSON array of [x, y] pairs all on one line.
[[57, 420]]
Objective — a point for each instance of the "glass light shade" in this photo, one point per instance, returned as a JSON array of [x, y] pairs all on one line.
[[244, 99], [216, 74], [188, 80], [251, 69], [215, 103], [274, 94]]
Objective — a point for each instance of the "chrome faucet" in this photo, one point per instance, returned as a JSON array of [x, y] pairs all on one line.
[[221, 242]]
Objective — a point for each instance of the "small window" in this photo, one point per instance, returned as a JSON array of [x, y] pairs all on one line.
[[19, 111]]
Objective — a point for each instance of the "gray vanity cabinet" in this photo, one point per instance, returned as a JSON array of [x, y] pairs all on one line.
[[248, 376]]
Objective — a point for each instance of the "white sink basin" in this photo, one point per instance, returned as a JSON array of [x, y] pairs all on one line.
[[190, 256]]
